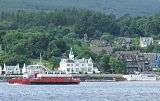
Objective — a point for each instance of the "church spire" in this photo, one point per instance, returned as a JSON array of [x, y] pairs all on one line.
[[71, 55]]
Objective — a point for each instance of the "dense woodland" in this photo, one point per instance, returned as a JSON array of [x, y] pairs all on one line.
[[25, 35]]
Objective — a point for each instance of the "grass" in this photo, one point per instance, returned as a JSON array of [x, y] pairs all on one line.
[[47, 64]]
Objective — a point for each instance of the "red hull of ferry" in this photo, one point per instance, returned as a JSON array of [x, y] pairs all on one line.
[[44, 80]]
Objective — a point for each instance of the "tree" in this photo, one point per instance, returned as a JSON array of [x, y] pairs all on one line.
[[108, 37], [134, 44], [12, 59], [55, 61], [152, 26], [103, 62], [117, 66]]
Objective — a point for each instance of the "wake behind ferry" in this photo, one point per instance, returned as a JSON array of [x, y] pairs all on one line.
[[49, 77]]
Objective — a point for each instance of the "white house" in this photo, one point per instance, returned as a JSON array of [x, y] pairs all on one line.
[[72, 65], [30, 69], [0, 48], [10, 70], [145, 41], [1, 70]]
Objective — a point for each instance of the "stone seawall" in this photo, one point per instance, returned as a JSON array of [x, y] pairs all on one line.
[[99, 77]]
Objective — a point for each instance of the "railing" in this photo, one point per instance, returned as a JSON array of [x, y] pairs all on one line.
[[54, 75]]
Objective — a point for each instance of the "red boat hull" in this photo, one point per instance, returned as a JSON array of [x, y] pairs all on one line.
[[45, 80]]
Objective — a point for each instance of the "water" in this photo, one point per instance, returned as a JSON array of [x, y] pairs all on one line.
[[91, 91]]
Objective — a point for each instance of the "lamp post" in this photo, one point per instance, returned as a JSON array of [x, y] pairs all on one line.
[[40, 59]]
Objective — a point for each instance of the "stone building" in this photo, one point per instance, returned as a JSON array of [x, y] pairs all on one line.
[[129, 58], [123, 41], [136, 61]]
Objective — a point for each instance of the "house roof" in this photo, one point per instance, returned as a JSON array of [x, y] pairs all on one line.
[[146, 39], [124, 39], [11, 67], [98, 43]]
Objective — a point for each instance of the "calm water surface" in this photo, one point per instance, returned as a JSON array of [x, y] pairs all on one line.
[[97, 91]]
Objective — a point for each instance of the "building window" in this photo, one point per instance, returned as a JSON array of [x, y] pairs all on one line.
[[68, 64], [90, 65], [72, 70], [68, 69], [89, 69], [77, 69]]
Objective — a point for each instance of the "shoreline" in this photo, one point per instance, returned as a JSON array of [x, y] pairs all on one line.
[[83, 77]]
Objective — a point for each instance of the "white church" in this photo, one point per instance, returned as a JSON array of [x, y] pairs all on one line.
[[76, 66]]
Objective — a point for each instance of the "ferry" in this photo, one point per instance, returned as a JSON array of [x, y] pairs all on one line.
[[141, 77], [49, 77]]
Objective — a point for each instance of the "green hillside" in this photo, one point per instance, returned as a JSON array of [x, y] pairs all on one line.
[[26, 35]]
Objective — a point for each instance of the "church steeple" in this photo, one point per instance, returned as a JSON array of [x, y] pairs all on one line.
[[71, 55]]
